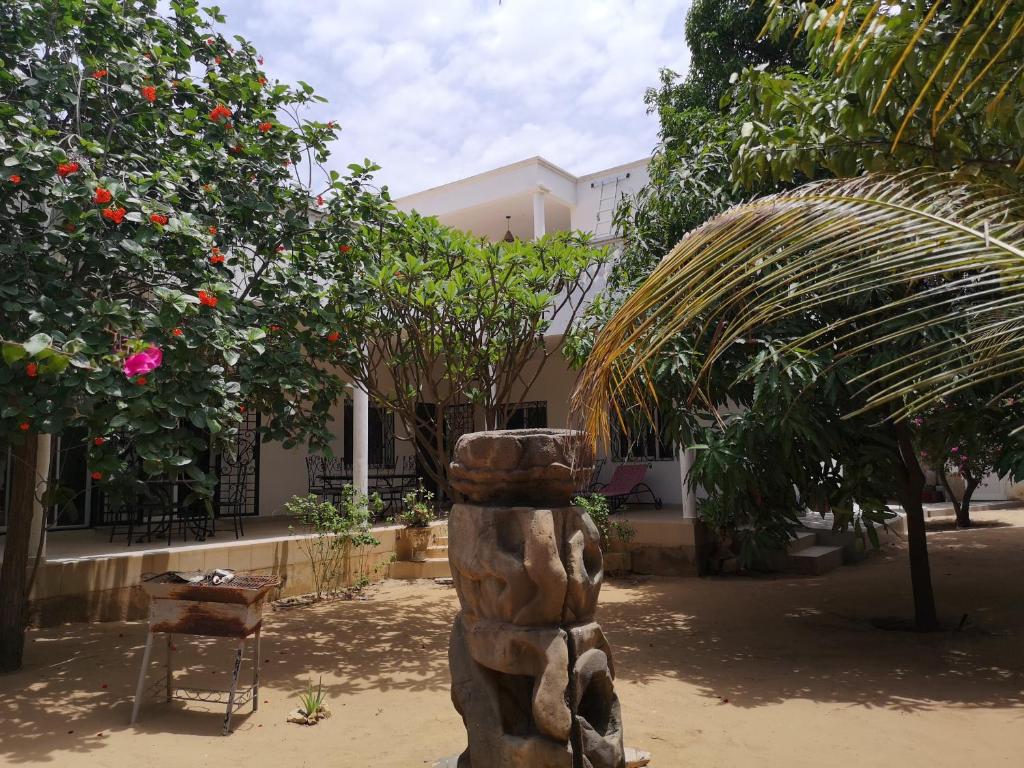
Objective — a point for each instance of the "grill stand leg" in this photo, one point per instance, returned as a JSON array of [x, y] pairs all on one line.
[[234, 685], [170, 665], [142, 677], [256, 673]]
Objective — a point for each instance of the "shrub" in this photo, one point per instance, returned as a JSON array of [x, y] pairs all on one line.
[[337, 535], [596, 506]]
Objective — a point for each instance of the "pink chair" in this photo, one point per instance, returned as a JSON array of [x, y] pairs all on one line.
[[627, 482]]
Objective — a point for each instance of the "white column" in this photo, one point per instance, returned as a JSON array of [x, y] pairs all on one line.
[[38, 510], [538, 213], [689, 497], [360, 439]]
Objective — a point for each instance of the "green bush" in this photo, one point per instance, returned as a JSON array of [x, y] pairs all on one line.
[[596, 506], [337, 534]]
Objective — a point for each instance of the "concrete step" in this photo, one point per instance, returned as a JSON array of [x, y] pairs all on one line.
[[437, 551], [816, 560], [431, 568], [803, 540], [778, 560]]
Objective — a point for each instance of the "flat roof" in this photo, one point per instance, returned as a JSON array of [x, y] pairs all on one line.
[[535, 160]]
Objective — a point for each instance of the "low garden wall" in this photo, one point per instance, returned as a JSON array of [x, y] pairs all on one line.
[[107, 588]]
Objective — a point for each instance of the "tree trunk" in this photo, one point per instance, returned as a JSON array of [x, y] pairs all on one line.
[[910, 488], [949, 490], [14, 571], [963, 512]]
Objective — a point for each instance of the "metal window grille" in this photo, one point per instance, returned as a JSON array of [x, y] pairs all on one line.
[[528, 415], [639, 440], [238, 471], [381, 437], [458, 421]]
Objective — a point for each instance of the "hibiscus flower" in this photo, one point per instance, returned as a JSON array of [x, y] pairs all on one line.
[[146, 361]]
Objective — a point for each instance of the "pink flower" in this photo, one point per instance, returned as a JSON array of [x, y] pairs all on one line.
[[146, 361], [954, 449]]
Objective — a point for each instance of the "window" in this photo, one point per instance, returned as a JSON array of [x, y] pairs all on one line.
[[639, 440], [531, 415], [381, 437]]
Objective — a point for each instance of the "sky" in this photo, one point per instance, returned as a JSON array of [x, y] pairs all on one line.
[[437, 90]]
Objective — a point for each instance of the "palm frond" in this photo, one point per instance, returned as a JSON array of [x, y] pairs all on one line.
[[949, 250], [979, 57]]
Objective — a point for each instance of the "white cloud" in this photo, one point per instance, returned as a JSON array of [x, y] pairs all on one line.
[[434, 92]]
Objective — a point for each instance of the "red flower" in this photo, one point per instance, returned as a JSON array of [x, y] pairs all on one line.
[[142, 381], [99, 440], [66, 169], [216, 256], [210, 41], [274, 328], [265, 126], [344, 248], [148, 93], [207, 299], [213, 230], [100, 73], [24, 426], [241, 409], [97, 476], [333, 337], [177, 332], [237, 149], [15, 178], [280, 249], [319, 199], [32, 370], [218, 112], [115, 215], [216, 59], [70, 226], [263, 80], [102, 196], [158, 218]]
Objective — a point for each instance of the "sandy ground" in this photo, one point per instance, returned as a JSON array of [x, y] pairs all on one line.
[[731, 672]]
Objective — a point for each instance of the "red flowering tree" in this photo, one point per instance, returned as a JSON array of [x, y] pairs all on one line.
[[145, 205], [972, 436]]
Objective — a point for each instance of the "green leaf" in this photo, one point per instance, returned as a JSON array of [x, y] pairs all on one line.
[[37, 344]]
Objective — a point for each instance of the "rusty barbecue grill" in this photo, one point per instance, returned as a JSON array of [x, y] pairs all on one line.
[[214, 604]]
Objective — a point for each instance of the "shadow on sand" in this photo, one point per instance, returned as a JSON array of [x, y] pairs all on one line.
[[748, 642]]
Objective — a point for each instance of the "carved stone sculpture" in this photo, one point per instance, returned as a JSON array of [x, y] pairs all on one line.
[[532, 672]]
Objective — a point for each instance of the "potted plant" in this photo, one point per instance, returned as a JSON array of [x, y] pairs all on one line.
[[417, 514]]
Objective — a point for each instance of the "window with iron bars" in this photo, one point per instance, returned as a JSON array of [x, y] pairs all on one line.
[[639, 440], [381, 437], [528, 415]]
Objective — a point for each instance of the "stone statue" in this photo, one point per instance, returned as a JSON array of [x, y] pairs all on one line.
[[532, 672]]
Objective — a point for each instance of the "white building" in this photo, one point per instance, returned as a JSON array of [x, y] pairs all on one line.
[[531, 198]]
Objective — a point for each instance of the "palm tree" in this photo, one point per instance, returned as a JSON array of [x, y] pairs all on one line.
[[946, 58], [953, 248]]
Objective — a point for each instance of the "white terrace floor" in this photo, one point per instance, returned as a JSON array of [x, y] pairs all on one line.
[[63, 546]]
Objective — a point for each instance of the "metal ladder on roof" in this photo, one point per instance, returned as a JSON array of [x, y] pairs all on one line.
[[609, 196]]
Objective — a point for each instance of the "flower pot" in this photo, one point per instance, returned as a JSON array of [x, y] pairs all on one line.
[[419, 541]]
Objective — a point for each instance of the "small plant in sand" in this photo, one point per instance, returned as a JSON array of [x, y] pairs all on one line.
[[312, 705]]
